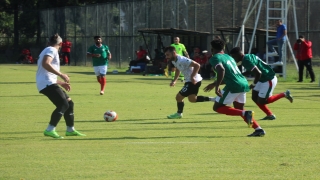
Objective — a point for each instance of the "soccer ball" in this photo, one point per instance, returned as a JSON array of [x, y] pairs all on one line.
[[110, 116]]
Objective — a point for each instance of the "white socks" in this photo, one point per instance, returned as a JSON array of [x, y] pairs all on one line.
[[70, 129], [50, 128]]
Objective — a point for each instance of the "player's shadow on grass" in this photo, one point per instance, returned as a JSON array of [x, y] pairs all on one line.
[[186, 122], [92, 73], [152, 78], [15, 96], [294, 125], [20, 83], [150, 138], [122, 120], [304, 88]]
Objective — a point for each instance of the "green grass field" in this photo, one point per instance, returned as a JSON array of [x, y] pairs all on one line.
[[143, 143]]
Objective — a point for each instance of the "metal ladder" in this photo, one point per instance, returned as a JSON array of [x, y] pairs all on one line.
[[275, 10]]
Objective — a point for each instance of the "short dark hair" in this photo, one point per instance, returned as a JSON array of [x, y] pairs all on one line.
[[96, 37], [55, 39], [235, 50], [170, 49], [301, 36], [217, 44]]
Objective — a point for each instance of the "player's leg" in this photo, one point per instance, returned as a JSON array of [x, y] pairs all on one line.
[[221, 105], [180, 106], [57, 97], [99, 77], [184, 92], [101, 72], [193, 94], [239, 104], [69, 118], [260, 94], [273, 98]]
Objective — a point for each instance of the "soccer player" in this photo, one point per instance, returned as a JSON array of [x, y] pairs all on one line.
[[100, 59], [50, 86], [192, 84], [264, 81], [235, 90], [181, 50]]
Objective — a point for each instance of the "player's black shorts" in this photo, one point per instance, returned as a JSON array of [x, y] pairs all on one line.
[[55, 93], [190, 88]]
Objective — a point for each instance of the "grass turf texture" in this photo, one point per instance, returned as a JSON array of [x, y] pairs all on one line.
[[143, 143]]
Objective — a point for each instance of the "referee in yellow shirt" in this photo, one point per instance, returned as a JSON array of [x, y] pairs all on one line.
[[181, 50]]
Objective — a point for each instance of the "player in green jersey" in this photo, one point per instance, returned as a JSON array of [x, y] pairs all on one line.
[[100, 59], [264, 81], [180, 50], [235, 90]]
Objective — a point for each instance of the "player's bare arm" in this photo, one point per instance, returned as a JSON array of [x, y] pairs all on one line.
[[65, 85], [109, 56], [209, 87], [257, 75], [46, 64], [186, 54], [196, 67], [220, 75], [93, 55], [176, 76]]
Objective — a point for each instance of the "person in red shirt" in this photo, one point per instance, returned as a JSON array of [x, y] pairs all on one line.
[[304, 55], [141, 57], [26, 57], [66, 49]]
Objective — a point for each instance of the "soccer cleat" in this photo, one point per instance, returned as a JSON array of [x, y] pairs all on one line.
[[166, 74], [270, 117], [248, 116], [257, 133], [288, 96], [175, 116], [53, 134], [74, 133], [101, 93]]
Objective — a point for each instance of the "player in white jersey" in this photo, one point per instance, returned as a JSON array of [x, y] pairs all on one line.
[[49, 85], [193, 80]]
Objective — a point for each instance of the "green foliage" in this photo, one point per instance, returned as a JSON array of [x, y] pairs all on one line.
[[142, 143], [6, 24]]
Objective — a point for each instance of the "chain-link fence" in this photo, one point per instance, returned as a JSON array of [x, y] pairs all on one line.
[[118, 23]]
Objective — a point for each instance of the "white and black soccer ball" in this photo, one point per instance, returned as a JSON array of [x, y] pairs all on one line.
[[110, 116]]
